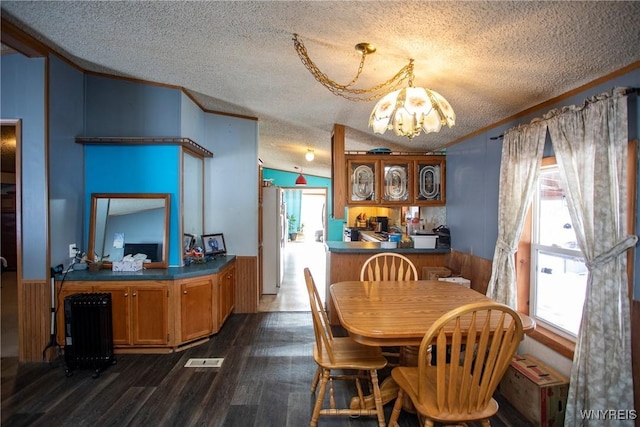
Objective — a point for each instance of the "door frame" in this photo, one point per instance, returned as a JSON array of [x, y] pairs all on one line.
[[325, 213], [17, 125]]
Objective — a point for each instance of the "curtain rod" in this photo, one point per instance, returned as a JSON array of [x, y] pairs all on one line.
[[627, 91]]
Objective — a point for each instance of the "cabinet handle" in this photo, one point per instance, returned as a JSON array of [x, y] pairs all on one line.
[[135, 295], [126, 294], [184, 292]]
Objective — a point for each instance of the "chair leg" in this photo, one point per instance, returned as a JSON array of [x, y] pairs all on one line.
[[397, 407], [486, 423], [377, 398], [320, 398], [316, 378], [428, 422]]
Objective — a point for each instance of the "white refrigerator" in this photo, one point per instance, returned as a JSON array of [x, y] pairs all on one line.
[[274, 238]]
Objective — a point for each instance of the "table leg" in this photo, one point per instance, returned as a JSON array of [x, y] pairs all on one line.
[[388, 387], [388, 392]]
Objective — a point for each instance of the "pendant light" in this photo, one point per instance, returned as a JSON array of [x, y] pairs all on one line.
[[300, 180]]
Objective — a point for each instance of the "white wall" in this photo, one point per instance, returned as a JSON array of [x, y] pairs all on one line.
[[231, 182]]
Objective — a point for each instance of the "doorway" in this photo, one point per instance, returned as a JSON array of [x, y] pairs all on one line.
[[9, 224], [309, 207]]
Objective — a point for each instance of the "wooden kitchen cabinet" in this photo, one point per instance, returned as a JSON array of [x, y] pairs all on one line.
[[196, 308], [363, 181], [429, 181], [396, 181], [150, 322], [225, 299], [120, 312], [389, 179], [139, 312], [159, 315]]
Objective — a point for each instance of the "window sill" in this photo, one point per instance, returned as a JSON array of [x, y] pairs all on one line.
[[554, 341]]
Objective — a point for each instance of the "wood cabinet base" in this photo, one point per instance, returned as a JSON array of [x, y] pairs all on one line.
[[159, 316]]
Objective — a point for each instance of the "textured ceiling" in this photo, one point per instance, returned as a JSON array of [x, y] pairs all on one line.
[[490, 60]]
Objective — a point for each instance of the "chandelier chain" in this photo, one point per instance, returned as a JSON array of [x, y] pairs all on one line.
[[346, 91]]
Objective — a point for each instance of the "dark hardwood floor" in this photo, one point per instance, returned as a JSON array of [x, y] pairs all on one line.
[[264, 381]]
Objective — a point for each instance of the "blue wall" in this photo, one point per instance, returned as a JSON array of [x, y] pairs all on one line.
[[473, 171], [129, 169], [23, 93], [116, 107], [66, 161], [288, 179]]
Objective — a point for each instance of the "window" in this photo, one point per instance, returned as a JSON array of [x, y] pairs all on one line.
[[558, 271]]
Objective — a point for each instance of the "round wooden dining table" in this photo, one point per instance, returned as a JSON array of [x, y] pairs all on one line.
[[399, 313]]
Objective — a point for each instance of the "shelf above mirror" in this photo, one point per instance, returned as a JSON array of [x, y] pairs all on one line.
[[187, 143]]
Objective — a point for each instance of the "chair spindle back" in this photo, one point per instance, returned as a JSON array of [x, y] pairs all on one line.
[[388, 266], [321, 325], [474, 346]]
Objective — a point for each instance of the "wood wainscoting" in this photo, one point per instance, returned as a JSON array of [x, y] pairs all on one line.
[[474, 268], [34, 319], [247, 294]]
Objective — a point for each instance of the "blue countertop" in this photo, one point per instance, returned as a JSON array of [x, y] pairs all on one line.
[[172, 273], [371, 247]]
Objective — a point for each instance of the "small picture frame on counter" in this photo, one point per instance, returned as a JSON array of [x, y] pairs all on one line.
[[213, 244], [188, 242]]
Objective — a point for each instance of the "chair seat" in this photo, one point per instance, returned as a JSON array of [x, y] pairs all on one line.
[[348, 354], [407, 379]]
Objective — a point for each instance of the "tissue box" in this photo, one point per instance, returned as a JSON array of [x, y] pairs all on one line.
[[134, 265], [459, 280]]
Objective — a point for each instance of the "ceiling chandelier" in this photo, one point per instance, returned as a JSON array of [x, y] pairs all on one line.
[[408, 110]]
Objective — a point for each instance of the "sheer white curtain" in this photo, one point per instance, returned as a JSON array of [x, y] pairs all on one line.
[[521, 159], [590, 143]]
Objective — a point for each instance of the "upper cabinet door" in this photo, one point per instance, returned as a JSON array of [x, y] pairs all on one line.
[[396, 183], [363, 183], [430, 181]]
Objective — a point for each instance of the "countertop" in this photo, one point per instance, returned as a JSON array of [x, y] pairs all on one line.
[[371, 247], [172, 273]]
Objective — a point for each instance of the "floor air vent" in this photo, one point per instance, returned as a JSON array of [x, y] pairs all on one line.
[[214, 362]]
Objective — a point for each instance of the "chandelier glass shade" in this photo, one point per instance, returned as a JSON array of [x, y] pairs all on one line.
[[410, 110]]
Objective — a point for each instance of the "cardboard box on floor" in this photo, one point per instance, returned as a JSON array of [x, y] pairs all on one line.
[[537, 391]]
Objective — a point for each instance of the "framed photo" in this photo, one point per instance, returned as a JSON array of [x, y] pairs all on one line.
[[213, 244], [188, 241]]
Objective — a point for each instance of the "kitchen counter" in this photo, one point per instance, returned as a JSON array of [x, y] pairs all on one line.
[[172, 273], [373, 248]]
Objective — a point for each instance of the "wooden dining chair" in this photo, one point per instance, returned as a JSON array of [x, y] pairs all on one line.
[[482, 339], [355, 362], [388, 266]]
